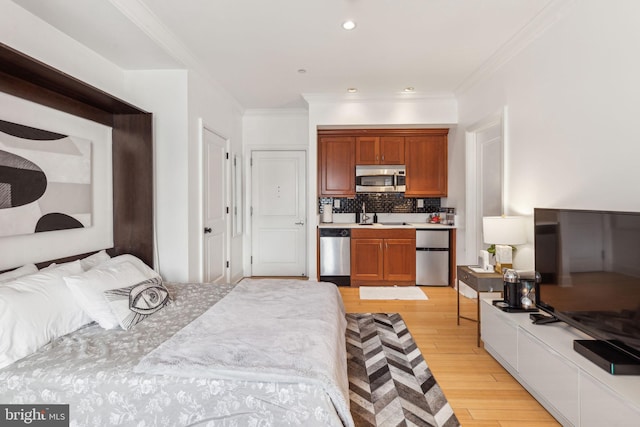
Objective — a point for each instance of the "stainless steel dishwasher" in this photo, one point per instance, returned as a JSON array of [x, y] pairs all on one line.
[[335, 256]]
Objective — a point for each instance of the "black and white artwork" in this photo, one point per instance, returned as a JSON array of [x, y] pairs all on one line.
[[45, 180]]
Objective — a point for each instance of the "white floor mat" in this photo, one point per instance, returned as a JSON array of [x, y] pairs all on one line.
[[392, 292]]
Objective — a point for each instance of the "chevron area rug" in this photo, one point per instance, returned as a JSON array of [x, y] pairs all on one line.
[[389, 381]]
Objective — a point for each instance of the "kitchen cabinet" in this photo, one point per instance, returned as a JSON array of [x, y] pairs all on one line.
[[383, 257], [336, 166], [426, 161], [423, 151], [380, 150]]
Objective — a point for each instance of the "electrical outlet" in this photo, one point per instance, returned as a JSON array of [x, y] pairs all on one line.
[[421, 203], [336, 203]]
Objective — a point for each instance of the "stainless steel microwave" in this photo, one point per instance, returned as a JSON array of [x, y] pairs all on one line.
[[381, 179]]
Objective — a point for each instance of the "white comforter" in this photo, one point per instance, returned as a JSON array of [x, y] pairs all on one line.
[[265, 330]]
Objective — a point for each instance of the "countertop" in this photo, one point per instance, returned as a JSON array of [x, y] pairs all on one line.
[[416, 225]]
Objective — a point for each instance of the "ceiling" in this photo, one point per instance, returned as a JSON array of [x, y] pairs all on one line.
[[254, 49]]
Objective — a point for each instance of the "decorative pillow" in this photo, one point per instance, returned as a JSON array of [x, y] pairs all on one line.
[[88, 288], [131, 305], [35, 310], [94, 260], [18, 272]]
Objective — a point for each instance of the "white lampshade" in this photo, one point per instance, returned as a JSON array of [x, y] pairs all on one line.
[[504, 230]]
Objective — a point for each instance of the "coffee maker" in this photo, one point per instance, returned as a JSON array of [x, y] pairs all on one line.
[[519, 291]]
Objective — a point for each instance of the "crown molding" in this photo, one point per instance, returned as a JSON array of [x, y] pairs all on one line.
[[276, 112], [141, 16], [552, 13], [331, 98]]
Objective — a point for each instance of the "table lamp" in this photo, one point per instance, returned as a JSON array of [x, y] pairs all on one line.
[[503, 232]]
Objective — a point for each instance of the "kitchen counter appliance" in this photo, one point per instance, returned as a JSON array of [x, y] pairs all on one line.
[[381, 179], [432, 257], [335, 255]]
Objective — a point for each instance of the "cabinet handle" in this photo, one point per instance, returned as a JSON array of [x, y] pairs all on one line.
[[383, 157]]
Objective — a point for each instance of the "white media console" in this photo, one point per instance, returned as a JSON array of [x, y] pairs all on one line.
[[541, 357]]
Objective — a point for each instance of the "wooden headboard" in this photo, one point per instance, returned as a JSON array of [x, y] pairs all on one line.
[[132, 142]]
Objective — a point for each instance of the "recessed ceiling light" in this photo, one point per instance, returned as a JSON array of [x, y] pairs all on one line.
[[348, 25], [352, 90], [302, 71], [409, 89]]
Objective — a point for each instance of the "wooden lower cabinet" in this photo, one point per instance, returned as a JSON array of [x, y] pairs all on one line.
[[383, 257]]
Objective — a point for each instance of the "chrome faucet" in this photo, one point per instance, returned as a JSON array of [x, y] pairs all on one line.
[[364, 217]]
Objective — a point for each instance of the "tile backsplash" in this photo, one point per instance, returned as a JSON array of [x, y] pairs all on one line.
[[381, 203]]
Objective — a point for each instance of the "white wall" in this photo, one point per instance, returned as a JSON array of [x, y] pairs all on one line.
[[164, 93], [273, 129], [572, 96], [276, 128], [219, 112], [177, 99], [388, 112], [30, 35]]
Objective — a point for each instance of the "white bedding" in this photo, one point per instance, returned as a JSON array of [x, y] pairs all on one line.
[[92, 370]]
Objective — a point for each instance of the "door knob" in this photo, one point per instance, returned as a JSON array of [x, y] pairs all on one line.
[[207, 230], [300, 223]]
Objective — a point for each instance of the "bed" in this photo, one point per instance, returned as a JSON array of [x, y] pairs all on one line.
[[259, 353]]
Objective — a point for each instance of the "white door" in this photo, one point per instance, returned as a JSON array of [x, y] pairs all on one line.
[[489, 180], [215, 213], [485, 179], [278, 206]]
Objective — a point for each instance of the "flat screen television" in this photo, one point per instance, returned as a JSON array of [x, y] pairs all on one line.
[[589, 262]]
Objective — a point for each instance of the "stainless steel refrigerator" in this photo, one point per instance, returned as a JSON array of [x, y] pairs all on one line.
[[432, 257]]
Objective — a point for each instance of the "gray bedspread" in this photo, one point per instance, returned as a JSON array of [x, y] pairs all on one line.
[[92, 370], [265, 330]]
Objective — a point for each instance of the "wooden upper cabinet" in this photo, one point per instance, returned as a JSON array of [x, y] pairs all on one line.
[[336, 166], [423, 151], [426, 160], [367, 150], [383, 150], [392, 150]]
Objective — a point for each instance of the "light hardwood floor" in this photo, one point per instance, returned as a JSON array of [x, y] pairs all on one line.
[[479, 390]]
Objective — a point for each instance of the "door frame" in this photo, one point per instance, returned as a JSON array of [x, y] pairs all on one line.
[[227, 189], [248, 228], [473, 198]]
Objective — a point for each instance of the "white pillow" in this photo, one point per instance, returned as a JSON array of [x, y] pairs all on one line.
[[94, 260], [88, 288], [18, 272], [37, 309], [88, 262], [144, 268]]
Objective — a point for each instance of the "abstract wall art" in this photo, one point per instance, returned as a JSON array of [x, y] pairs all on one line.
[[45, 180]]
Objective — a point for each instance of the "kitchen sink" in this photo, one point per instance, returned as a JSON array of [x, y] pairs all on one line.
[[380, 224]]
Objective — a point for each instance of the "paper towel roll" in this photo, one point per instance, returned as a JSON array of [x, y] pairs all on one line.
[[327, 214]]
